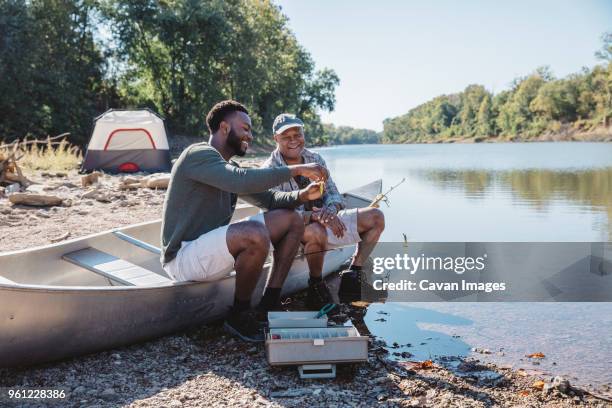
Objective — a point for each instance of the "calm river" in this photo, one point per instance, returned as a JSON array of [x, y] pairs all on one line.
[[494, 192]]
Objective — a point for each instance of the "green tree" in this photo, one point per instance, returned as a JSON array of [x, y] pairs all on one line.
[[182, 56], [602, 95], [51, 68], [348, 135], [515, 116], [471, 100], [485, 123]]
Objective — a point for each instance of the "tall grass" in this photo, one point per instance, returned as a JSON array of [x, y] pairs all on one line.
[[47, 154]]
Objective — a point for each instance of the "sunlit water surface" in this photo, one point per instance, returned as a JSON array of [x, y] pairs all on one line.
[[493, 192]]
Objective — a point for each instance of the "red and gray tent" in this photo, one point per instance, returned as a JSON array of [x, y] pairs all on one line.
[[128, 141]]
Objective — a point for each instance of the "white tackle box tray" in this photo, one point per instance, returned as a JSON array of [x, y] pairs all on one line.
[[295, 320], [293, 346]]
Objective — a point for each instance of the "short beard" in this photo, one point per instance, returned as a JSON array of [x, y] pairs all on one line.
[[235, 143]]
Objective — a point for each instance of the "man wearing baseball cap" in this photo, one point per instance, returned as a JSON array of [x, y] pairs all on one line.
[[329, 224]]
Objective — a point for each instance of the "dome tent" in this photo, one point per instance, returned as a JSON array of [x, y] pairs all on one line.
[[128, 141]]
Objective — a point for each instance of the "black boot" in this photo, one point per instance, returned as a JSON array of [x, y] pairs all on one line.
[[244, 325], [354, 286], [318, 295], [350, 286]]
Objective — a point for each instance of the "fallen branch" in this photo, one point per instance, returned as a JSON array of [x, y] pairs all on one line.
[[35, 200], [156, 181], [90, 179], [10, 170], [159, 180]]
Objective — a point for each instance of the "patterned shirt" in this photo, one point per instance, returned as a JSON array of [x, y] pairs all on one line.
[[331, 197]]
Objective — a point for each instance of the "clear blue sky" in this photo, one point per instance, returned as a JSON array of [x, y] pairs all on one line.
[[394, 55]]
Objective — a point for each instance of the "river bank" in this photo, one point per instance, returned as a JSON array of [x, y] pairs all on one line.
[[204, 367], [564, 134]]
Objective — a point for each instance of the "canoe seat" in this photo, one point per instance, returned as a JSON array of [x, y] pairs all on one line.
[[7, 281], [128, 238], [116, 269]]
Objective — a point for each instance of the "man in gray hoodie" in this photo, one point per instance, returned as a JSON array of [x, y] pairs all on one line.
[[199, 244]]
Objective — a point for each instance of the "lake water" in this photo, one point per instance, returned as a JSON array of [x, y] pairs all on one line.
[[493, 192]]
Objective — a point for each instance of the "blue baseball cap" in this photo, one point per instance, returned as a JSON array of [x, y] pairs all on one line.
[[286, 121]]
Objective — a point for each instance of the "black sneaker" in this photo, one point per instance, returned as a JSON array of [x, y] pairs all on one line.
[[355, 286], [318, 295], [350, 286], [245, 326]]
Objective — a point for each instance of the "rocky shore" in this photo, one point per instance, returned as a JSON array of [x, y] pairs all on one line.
[[204, 367]]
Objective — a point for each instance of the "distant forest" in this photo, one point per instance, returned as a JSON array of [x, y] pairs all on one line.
[[63, 62], [536, 104], [338, 135]]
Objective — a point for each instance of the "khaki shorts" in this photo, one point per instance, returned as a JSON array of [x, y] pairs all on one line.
[[206, 258], [351, 235]]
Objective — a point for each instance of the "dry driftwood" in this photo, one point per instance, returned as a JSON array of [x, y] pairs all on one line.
[[129, 186], [37, 200], [91, 178], [9, 169], [153, 181], [156, 181], [98, 195], [10, 153]]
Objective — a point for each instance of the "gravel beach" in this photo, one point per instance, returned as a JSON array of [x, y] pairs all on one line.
[[204, 367]]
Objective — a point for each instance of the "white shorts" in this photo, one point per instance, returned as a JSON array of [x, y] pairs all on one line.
[[206, 258], [351, 235]]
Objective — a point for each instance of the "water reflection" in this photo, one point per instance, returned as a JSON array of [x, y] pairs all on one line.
[[537, 189], [550, 192], [396, 323]]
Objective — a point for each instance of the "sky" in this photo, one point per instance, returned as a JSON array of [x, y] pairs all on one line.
[[392, 56]]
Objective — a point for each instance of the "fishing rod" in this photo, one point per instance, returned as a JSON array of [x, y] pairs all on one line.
[[384, 196]]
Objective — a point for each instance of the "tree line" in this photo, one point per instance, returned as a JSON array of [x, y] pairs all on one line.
[[63, 62], [340, 135], [535, 104]]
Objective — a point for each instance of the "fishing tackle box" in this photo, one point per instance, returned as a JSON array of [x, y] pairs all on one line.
[[312, 342], [295, 319]]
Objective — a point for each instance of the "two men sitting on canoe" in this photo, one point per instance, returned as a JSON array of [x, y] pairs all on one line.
[[197, 242], [329, 224]]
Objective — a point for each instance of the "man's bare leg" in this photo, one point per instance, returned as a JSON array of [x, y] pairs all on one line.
[[285, 228], [370, 224], [315, 243], [248, 242]]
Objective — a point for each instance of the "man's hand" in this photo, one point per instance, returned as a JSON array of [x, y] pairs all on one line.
[[313, 171], [312, 192], [328, 218], [323, 215]]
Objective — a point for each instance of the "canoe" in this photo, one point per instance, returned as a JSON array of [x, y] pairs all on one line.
[[53, 307]]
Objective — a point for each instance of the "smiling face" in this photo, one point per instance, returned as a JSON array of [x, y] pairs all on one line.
[[239, 132], [291, 143]]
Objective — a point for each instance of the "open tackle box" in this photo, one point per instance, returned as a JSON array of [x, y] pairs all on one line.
[[300, 338]]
